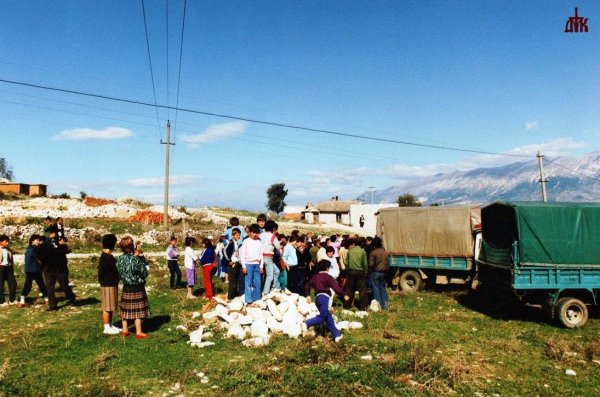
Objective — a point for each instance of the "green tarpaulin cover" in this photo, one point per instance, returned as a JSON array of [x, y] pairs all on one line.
[[547, 233]]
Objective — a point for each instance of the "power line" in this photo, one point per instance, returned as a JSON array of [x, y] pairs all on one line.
[[151, 71], [263, 122], [179, 72], [572, 170], [167, 37]]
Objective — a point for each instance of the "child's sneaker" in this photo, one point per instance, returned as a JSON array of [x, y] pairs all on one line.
[[339, 338], [111, 331]]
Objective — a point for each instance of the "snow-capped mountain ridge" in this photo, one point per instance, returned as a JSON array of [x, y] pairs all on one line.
[[569, 179]]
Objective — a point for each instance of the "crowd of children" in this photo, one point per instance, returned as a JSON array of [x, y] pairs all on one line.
[[252, 260]]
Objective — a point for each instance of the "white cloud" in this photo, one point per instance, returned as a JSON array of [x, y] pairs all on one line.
[[531, 125], [88, 133], [174, 181], [215, 133]]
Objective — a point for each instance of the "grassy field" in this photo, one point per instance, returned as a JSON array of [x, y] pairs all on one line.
[[429, 343]]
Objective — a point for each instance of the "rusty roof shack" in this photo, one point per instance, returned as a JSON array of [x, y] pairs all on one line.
[[23, 189]]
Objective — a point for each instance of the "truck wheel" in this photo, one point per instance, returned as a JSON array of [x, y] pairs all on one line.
[[571, 312], [410, 281]]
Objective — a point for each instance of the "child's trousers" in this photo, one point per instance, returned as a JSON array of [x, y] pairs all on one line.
[[324, 315]]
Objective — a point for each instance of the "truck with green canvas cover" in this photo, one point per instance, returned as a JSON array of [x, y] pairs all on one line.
[[430, 243], [544, 253]]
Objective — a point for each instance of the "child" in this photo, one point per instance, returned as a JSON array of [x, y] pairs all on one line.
[[134, 300], [206, 260], [270, 244], [172, 254], [284, 268], [108, 277], [7, 272], [261, 220], [290, 257], [220, 250], [323, 283], [139, 252], [33, 271], [251, 255], [232, 256], [334, 270], [190, 259]]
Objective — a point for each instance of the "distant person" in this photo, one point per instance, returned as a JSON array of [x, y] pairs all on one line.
[[304, 258], [379, 263], [189, 263], [334, 269], [356, 276], [207, 260], [232, 256], [234, 223], [134, 300], [261, 220], [361, 221], [270, 244], [47, 224], [252, 264], [290, 258], [139, 252], [7, 272], [33, 271], [108, 277], [323, 285], [60, 228], [172, 255], [53, 257], [283, 270]]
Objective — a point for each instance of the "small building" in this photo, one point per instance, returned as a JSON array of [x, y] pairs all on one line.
[[23, 188], [368, 212], [332, 211]]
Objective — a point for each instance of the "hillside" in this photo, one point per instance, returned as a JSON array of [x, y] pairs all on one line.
[[515, 181]]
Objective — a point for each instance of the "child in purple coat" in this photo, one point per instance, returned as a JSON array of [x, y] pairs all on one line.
[[324, 284]]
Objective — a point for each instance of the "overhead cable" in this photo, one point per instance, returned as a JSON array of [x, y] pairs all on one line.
[[179, 72], [263, 122], [151, 71]]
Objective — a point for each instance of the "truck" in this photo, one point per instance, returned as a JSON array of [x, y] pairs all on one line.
[[545, 254], [430, 244]]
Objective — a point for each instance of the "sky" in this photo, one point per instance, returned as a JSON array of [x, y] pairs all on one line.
[[487, 76]]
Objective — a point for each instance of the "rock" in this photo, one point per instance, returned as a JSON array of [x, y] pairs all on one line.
[[259, 329], [274, 325], [181, 327], [354, 325], [196, 336], [202, 345], [570, 372], [375, 306], [361, 314], [256, 342], [236, 305], [245, 320], [343, 325], [235, 330], [367, 357], [274, 310], [348, 313]]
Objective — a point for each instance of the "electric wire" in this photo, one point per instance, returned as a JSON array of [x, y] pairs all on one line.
[[167, 36], [151, 71], [263, 122], [572, 170], [179, 71]]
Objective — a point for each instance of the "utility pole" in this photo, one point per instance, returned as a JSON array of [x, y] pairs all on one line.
[[371, 189], [166, 200], [543, 180]]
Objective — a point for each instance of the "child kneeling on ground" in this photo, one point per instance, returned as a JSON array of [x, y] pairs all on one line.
[[323, 284]]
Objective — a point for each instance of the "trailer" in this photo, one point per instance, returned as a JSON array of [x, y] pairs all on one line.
[[430, 244], [545, 254]]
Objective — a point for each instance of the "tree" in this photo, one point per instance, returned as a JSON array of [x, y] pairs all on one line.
[[276, 194], [408, 200], [5, 170]]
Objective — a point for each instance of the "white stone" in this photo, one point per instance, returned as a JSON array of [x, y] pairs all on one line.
[[204, 344], [196, 336], [256, 342], [367, 357], [348, 313], [375, 306], [361, 314], [246, 320], [355, 325], [236, 304], [274, 310], [259, 329], [570, 372], [181, 327], [343, 325]]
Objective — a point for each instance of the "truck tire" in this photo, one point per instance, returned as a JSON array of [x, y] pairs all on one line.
[[571, 312], [410, 281]]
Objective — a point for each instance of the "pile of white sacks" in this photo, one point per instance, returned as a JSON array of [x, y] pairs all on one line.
[[254, 325]]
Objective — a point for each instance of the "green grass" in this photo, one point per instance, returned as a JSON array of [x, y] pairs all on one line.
[[429, 343]]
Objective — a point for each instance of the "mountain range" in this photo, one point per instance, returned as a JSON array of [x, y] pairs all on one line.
[[569, 179]]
